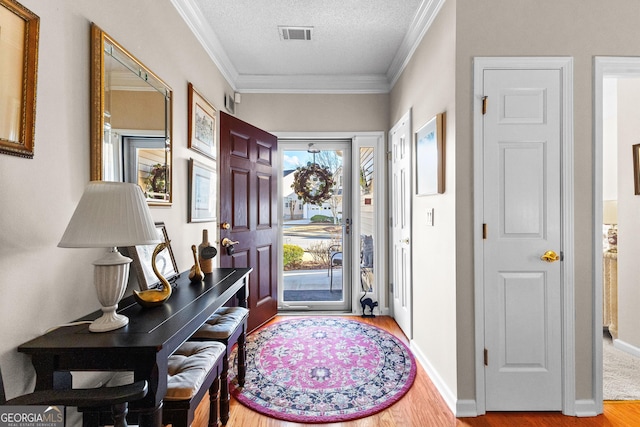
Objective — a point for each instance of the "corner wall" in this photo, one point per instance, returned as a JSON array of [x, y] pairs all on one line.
[[427, 86]]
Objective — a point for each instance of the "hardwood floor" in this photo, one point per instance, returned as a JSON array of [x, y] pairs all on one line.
[[423, 406]]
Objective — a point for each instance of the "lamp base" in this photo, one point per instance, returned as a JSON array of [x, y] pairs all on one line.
[[109, 321], [110, 276]]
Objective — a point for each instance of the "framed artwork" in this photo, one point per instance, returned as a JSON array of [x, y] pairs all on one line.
[[636, 169], [202, 124], [430, 150], [165, 261], [202, 192], [19, 32]]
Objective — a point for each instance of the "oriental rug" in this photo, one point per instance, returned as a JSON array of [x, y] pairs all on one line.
[[322, 370]]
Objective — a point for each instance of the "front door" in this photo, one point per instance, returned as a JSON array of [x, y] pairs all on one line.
[[400, 141], [317, 276], [522, 132], [248, 211]]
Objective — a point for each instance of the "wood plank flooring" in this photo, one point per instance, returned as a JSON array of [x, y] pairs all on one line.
[[423, 406]]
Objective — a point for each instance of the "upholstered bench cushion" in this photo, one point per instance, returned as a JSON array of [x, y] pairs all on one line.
[[189, 366], [222, 323]]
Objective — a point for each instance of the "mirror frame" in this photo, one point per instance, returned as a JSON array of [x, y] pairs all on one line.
[[98, 39]]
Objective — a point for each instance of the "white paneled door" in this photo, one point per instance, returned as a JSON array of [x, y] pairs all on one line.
[[400, 141], [522, 132]]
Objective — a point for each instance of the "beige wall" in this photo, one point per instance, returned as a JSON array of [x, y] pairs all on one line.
[[427, 86], [51, 285], [315, 113], [578, 28]]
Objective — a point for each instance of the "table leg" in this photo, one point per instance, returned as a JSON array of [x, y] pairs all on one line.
[[151, 417], [224, 391]]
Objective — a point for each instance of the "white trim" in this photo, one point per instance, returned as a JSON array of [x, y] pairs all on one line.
[[626, 347], [425, 16], [447, 394], [609, 67], [565, 65]]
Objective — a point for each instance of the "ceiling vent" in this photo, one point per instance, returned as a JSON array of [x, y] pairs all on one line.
[[295, 33]]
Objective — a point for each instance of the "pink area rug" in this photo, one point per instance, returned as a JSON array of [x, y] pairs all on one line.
[[322, 370]]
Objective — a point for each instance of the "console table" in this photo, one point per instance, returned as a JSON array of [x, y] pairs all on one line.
[[141, 347]]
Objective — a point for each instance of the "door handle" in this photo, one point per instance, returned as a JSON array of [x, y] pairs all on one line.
[[228, 242], [550, 256]]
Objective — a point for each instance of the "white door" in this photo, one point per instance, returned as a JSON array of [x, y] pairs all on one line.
[[400, 140], [522, 132]]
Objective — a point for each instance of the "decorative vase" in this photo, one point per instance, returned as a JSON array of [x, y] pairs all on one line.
[[206, 264], [195, 274]]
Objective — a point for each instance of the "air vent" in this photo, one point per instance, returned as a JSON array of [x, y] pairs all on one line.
[[295, 33]]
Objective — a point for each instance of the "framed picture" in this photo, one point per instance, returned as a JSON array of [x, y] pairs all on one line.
[[165, 261], [636, 169], [19, 32], [202, 192], [430, 149], [202, 124]]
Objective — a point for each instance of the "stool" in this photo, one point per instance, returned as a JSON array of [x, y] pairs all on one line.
[[194, 368], [228, 325]]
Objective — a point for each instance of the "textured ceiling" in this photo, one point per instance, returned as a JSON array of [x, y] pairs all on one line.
[[356, 46]]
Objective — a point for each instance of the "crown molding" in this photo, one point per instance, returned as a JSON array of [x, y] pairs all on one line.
[[191, 14], [425, 16], [379, 83]]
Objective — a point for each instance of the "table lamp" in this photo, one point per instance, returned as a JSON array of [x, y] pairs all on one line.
[[110, 214]]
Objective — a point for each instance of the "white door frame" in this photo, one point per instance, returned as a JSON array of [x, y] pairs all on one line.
[[565, 65], [609, 66]]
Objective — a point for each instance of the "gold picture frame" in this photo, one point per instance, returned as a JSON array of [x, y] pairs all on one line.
[[430, 157], [202, 124], [19, 33]]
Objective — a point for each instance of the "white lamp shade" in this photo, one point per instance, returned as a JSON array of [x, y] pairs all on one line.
[[110, 214], [610, 212]]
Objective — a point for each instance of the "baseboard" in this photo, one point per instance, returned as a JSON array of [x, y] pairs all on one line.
[[466, 408], [586, 408], [626, 347], [446, 393]]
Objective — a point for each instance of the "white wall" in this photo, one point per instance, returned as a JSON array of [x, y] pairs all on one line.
[[43, 285]]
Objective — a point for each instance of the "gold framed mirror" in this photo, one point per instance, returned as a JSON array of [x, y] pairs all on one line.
[[131, 117]]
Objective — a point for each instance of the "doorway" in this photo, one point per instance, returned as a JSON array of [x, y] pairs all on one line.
[[316, 223], [617, 84]]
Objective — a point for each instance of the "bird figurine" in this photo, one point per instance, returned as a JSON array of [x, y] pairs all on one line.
[[154, 297], [195, 274]]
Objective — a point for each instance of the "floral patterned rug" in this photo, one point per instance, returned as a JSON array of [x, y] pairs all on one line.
[[323, 369]]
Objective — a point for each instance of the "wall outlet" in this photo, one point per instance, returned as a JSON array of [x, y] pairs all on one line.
[[430, 217]]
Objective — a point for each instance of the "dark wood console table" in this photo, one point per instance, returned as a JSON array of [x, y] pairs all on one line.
[[141, 347]]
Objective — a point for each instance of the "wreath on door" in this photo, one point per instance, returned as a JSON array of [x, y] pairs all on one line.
[[313, 183]]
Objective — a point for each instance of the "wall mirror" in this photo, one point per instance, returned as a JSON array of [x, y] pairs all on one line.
[[130, 120]]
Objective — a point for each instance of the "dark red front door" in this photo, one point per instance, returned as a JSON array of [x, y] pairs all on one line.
[[248, 203]]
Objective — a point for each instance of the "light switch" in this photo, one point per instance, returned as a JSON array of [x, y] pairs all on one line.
[[430, 217]]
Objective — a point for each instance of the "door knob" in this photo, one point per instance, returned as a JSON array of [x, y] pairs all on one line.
[[550, 256], [225, 226]]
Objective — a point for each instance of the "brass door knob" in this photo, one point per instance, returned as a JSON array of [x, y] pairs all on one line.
[[225, 226], [550, 256]]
